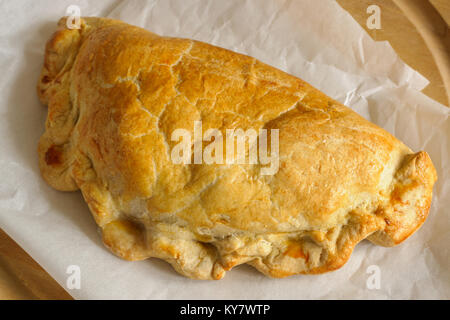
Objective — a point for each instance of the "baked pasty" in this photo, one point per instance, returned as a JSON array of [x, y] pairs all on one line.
[[115, 93]]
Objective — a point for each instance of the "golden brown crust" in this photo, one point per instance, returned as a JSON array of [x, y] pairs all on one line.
[[116, 92]]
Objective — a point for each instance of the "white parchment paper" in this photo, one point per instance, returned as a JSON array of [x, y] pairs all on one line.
[[315, 40]]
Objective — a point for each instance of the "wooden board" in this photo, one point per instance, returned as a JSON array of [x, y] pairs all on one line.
[[21, 277], [399, 28], [407, 30]]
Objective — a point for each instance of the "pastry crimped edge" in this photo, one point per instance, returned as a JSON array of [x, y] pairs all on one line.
[[395, 207]]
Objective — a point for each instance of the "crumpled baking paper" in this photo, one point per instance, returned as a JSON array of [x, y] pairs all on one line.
[[315, 40]]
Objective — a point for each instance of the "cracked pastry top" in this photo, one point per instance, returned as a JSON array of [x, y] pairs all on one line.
[[116, 92]]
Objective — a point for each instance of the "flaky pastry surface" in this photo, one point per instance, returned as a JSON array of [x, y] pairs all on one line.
[[116, 92]]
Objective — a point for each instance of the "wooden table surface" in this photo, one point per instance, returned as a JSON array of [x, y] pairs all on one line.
[[418, 30]]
